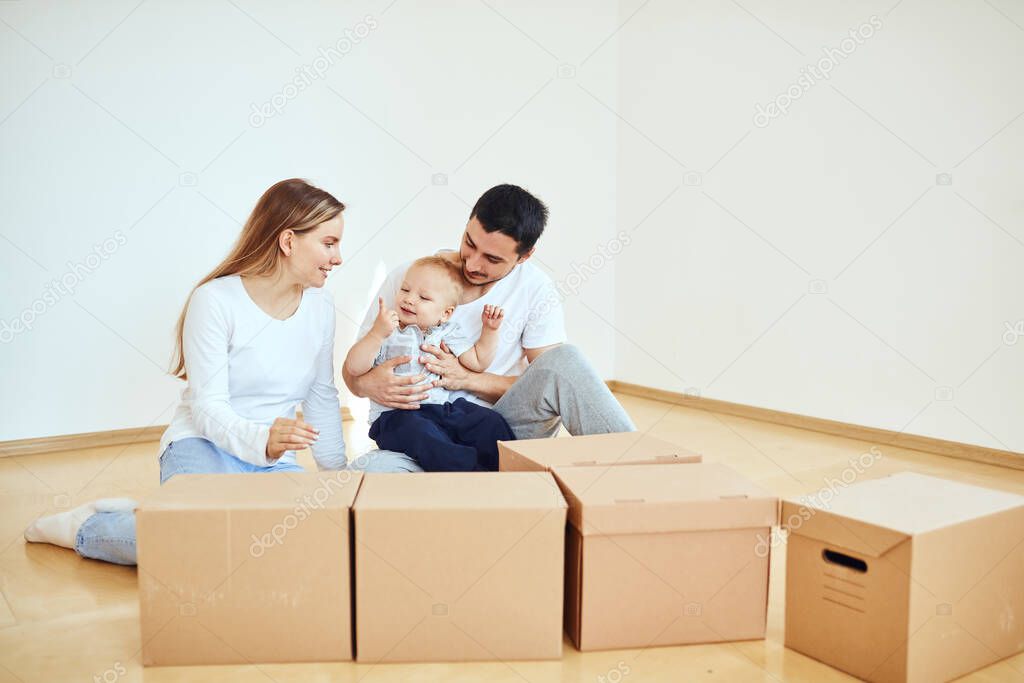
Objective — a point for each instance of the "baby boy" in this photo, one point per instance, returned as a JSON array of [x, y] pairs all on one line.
[[441, 435]]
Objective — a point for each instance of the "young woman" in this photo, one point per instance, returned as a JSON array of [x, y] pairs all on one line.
[[254, 340]]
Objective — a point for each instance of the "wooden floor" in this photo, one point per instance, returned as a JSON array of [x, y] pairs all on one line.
[[63, 618]]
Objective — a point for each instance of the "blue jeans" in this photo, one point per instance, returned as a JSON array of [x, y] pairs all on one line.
[[110, 536]]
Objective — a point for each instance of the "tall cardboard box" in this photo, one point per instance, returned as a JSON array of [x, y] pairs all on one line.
[[664, 555], [618, 448], [906, 578], [237, 568], [457, 566]]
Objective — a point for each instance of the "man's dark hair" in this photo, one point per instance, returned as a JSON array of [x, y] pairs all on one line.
[[512, 211]]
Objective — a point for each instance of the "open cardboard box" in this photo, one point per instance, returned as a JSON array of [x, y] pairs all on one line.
[[620, 448], [906, 578], [458, 566], [665, 555], [242, 568]]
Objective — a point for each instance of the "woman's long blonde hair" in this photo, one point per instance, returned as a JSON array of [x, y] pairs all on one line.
[[291, 204]]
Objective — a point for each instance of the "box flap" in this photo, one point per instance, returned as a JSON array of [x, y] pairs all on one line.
[[459, 491], [663, 498], [900, 504], [269, 490], [842, 532], [598, 449]]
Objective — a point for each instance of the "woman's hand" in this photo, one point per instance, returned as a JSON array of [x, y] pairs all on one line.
[[398, 392], [289, 435], [443, 362]]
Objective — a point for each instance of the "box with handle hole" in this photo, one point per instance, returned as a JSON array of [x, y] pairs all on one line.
[[906, 578]]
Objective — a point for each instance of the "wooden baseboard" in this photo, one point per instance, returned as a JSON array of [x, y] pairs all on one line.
[[67, 442], [928, 444], [113, 437]]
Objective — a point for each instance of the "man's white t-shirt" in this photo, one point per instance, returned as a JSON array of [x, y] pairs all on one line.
[[533, 317]]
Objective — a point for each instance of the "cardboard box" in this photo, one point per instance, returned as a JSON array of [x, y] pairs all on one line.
[[664, 555], [622, 448], [237, 568], [906, 578], [457, 566]]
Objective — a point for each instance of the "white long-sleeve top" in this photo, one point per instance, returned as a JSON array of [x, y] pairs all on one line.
[[246, 368]]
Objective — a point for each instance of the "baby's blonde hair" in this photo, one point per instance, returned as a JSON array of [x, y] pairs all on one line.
[[452, 272]]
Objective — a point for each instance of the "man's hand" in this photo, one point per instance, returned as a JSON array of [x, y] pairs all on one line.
[[492, 317], [386, 322], [382, 385], [443, 362]]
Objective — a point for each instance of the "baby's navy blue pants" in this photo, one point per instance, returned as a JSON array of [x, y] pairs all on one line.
[[455, 437]]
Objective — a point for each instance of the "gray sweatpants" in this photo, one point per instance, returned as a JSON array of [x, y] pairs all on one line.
[[560, 387]]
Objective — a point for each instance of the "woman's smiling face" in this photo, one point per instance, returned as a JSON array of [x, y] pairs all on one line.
[[315, 252]]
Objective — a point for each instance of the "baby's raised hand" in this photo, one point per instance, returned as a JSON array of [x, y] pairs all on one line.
[[386, 322], [492, 317]]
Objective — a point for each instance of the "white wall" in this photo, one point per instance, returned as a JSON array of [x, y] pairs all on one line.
[[137, 125], [812, 264], [815, 264]]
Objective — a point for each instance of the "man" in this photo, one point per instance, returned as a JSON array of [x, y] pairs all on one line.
[[536, 380]]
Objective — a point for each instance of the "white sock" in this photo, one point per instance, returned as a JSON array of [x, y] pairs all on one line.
[[60, 529], [115, 504]]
